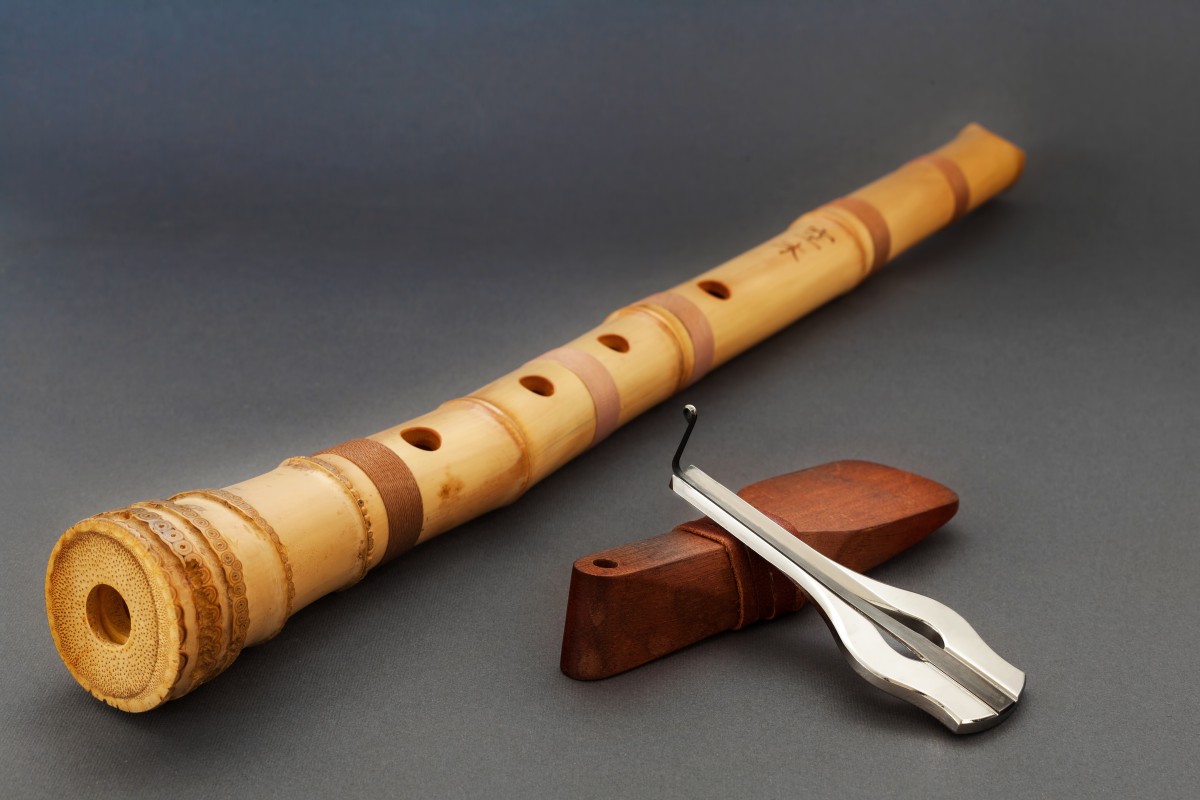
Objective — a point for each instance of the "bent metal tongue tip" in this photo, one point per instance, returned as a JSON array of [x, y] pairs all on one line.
[[907, 644]]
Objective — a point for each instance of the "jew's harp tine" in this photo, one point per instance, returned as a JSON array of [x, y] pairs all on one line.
[[941, 665]]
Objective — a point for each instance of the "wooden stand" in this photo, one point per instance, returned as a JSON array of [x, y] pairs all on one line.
[[641, 601]]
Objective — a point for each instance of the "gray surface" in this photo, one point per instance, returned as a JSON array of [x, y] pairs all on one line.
[[230, 236]]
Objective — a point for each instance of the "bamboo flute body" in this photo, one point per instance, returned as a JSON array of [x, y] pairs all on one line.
[[147, 602]]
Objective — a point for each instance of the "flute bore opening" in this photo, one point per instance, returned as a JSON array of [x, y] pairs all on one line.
[[422, 438], [605, 563], [716, 289], [108, 614], [614, 342], [538, 385]]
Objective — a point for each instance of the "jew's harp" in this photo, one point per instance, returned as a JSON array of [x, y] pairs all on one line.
[[939, 663]]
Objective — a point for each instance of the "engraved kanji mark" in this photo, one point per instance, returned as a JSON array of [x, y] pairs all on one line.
[[812, 235], [795, 249]]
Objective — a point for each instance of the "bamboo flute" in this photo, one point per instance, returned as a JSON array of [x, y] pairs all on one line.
[[147, 602]]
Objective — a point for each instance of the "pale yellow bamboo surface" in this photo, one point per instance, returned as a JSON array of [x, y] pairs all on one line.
[[148, 602]]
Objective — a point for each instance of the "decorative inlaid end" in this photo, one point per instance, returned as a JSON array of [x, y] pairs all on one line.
[[145, 603], [115, 614]]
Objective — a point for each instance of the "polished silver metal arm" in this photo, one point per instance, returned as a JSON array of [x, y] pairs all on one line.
[[941, 665]]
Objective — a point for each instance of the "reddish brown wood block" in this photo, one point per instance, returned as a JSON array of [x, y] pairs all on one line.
[[640, 601]]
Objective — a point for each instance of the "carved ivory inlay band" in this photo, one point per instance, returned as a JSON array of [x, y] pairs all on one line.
[[243, 509], [237, 612]]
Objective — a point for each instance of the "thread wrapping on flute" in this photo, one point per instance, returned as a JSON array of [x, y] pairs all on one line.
[[606, 397]]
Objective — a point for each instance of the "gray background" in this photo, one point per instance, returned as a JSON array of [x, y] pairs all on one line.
[[239, 232]]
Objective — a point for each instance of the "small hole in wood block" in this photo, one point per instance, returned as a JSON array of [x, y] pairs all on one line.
[[716, 289], [605, 563], [614, 342], [422, 438], [108, 614], [538, 385]]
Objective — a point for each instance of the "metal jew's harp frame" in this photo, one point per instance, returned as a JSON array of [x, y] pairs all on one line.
[[939, 663]]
